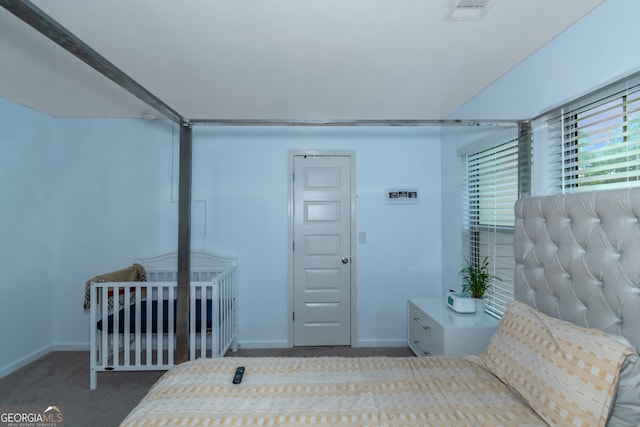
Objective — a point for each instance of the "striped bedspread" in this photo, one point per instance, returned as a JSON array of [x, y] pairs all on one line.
[[332, 391]]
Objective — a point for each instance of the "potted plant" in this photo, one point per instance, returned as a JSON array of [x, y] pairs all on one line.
[[477, 281]]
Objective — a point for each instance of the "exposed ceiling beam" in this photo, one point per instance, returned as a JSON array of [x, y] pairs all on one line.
[[51, 29], [382, 122]]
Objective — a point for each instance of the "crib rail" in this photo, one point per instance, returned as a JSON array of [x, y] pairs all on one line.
[[133, 323], [220, 336]]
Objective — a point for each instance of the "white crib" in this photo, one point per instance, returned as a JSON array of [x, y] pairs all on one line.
[[135, 330]]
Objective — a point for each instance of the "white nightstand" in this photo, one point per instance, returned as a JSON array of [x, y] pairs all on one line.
[[435, 329]]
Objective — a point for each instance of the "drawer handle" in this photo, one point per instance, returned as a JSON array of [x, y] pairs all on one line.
[[418, 342], [419, 322]]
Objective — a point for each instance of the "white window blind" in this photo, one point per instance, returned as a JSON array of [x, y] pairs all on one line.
[[594, 143], [491, 190]]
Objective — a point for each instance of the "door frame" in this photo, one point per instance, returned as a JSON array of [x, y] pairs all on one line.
[[353, 259]]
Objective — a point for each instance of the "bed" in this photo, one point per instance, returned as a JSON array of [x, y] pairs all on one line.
[[133, 313], [564, 354]]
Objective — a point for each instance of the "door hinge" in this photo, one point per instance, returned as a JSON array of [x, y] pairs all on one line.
[[294, 316], [293, 177], [293, 246]]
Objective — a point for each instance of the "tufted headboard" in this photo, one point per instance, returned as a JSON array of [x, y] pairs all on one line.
[[578, 258]]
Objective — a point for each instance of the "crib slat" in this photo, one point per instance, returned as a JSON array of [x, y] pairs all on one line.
[[224, 307], [148, 332], [138, 334], [104, 315], [230, 312], [126, 337], [215, 318], [203, 321], [192, 321], [195, 290], [115, 354], [159, 322], [93, 301], [223, 304], [170, 340], [228, 309]]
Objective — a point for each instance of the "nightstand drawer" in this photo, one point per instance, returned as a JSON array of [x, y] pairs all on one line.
[[425, 335]]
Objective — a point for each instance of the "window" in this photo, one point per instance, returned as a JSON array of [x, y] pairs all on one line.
[[594, 143], [491, 190]]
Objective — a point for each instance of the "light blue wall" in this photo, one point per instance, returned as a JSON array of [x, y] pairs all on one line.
[[85, 197], [26, 293], [111, 202], [557, 73], [79, 198], [598, 49], [241, 173]]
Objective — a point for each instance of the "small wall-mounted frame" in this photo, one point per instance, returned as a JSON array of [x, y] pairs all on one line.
[[402, 195]]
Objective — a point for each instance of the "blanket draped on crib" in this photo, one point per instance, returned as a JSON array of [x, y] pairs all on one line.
[[135, 273]]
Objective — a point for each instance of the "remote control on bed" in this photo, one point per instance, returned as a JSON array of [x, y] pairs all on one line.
[[237, 377]]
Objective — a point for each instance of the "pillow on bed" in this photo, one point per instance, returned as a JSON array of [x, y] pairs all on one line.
[[626, 406], [566, 373]]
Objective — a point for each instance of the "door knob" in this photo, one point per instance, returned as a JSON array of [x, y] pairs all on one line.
[[345, 260]]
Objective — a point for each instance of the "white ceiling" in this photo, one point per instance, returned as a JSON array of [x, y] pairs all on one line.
[[276, 59]]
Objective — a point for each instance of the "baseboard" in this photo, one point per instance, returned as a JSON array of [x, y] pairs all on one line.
[[262, 344], [24, 361], [71, 346], [382, 343], [359, 343]]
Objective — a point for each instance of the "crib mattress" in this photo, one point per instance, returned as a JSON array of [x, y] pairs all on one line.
[[154, 317], [337, 391]]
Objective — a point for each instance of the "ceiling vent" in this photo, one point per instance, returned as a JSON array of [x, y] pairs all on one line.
[[468, 10]]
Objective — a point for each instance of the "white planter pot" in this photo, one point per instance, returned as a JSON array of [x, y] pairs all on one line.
[[481, 303]]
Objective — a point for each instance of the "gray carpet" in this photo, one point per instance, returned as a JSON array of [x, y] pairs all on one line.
[[62, 379]]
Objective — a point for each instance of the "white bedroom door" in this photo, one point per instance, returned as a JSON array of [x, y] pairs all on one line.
[[322, 205]]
